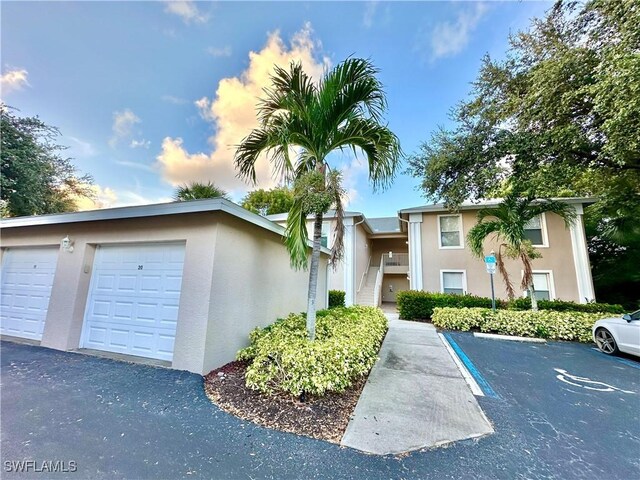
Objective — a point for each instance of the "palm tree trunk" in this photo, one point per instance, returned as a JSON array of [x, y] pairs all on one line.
[[313, 278], [534, 300]]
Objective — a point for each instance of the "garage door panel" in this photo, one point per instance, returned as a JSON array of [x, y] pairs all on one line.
[[134, 298], [27, 278]]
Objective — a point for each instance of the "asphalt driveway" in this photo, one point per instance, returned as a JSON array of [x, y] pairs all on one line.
[[120, 420]]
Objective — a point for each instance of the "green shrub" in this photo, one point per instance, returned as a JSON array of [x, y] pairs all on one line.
[[336, 298], [573, 326], [564, 306], [419, 305], [414, 305], [283, 359]]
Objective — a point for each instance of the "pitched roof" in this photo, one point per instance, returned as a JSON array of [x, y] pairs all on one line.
[[384, 224]]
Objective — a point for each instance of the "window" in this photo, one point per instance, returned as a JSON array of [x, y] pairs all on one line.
[[533, 231], [450, 231], [326, 229], [542, 286], [453, 282]]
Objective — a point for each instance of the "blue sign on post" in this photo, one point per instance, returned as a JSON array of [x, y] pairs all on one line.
[[490, 262]]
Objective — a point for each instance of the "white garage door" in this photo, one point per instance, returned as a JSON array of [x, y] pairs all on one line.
[[133, 300], [25, 288]]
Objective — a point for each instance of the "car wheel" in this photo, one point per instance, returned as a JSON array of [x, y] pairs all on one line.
[[605, 341]]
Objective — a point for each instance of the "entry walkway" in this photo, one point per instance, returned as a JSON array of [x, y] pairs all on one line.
[[415, 396]]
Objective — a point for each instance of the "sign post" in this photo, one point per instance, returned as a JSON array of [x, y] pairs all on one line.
[[490, 263]]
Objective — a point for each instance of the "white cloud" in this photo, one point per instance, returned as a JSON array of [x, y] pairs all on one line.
[[187, 10], [451, 37], [174, 100], [123, 123], [136, 165], [106, 197], [232, 111], [13, 80], [83, 148], [352, 173], [370, 13], [142, 143], [219, 51]]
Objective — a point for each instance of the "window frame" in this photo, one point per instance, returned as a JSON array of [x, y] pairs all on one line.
[[544, 232], [460, 231], [552, 287], [328, 225], [452, 270]]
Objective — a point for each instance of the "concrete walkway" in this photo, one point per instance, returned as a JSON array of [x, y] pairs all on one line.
[[415, 396]]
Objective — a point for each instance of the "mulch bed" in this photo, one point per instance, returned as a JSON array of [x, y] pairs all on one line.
[[324, 417]]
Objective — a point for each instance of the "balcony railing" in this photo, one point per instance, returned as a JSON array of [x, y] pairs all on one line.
[[394, 259]]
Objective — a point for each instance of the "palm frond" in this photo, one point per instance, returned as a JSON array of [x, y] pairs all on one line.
[[334, 186], [297, 236], [504, 273], [478, 233]]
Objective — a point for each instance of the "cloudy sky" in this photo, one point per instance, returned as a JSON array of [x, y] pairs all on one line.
[[149, 95]]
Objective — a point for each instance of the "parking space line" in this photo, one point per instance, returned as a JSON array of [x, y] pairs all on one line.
[[473, 385], [471, 368], [624, 361]]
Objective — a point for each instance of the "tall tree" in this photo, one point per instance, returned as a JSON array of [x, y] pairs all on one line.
[[561, 110], [344, 110], [198, 191], [269, 202], [506, 223], [35, 179]]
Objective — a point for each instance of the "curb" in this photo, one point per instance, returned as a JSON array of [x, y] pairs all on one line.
[[494, 336]]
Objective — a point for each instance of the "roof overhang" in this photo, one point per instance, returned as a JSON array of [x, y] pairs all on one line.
[[143, 211]]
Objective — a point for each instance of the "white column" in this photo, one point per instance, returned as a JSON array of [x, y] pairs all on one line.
[[581, 259], [415, 251], [349, 262]]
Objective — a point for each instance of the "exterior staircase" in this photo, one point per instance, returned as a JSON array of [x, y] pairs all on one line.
[[366, 294]]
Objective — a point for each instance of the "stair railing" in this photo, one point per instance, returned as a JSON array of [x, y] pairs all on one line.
[[377, 291], [364, 274]]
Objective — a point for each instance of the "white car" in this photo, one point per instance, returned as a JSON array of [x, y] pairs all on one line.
[[618, 334]]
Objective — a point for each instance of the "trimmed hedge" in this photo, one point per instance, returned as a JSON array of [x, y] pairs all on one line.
[[552, 325], [564, 306], [419, 305], [414, 305], [283, 359], [336, 298]]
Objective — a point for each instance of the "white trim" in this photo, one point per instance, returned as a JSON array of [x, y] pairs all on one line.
[[451, 270], [154, 210], [460, 230], [415, 251], [491, 202], [473, 385], [349, 262], [552, 287], [581, 260], [544, 232]]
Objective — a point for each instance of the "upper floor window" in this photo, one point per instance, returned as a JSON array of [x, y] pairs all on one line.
[[453, 282], [534, 231], [450, 231]]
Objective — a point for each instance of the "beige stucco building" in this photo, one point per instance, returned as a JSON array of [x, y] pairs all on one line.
[[424, 248], [183, 283]]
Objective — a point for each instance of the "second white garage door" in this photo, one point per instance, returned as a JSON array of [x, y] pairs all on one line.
[[133, 300]]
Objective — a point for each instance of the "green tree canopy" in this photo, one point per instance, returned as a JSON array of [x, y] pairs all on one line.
[[343, 110], [560, 112], [269, 202], [198, 191], [35, 178]]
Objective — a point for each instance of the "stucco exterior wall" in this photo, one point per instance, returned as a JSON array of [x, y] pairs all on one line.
[[362, 253], [242, 289], [253, 286], [557, 258]]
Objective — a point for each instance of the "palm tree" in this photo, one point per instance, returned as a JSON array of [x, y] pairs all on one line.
[[507, 222], [342, 111], [197, 191]]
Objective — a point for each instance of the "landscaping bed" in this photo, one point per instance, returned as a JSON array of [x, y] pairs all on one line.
[[325, 417], [285, 381]]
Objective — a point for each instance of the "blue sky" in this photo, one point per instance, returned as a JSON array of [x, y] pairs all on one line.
[[149, 95]]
